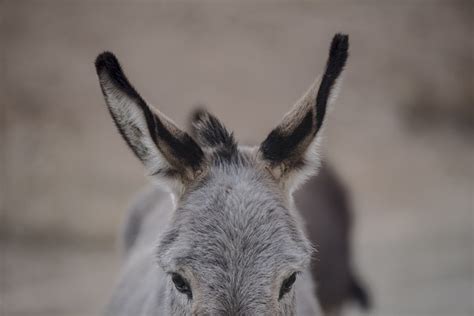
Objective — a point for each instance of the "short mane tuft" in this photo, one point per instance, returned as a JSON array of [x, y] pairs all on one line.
[[212, 134]]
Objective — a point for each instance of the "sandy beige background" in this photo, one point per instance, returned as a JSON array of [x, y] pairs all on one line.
[[401, 134]]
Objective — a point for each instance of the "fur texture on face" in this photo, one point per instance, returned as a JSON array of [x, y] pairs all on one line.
[[235, 240], [234, 243]]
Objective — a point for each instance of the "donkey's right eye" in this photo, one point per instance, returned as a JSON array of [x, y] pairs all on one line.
[[181, 285]]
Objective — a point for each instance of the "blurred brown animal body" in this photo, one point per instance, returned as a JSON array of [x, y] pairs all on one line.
[[323, 203]]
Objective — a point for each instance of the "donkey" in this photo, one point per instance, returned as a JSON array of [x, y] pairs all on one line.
[[228, 239]]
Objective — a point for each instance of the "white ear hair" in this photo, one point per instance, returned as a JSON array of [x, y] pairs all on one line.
[[130, 120]]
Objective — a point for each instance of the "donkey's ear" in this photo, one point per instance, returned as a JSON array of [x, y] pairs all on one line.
[[167, 152], [291, 149]]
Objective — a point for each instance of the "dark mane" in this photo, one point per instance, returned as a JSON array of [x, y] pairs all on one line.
[[210, 133]]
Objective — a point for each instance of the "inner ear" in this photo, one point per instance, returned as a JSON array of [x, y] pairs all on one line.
[[294, 142], [165, 150], [287, 143]]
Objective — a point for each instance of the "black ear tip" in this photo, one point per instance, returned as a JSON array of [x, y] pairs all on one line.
[[338, 53], [340, 44], [341, 37], [106, 61]]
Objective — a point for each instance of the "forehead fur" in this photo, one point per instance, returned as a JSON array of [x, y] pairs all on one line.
[[236, 218], [235, 238]]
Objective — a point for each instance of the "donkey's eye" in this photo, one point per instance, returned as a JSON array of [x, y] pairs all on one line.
[[181, 285], [287, 285]]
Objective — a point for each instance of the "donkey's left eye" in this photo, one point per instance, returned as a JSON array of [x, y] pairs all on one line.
[[181, 285], [287, 285]]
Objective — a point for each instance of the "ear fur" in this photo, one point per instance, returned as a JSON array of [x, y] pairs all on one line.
[[291, 149], [167, 152]]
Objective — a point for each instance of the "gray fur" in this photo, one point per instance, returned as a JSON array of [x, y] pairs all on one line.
[[324, 205], [237, 243]]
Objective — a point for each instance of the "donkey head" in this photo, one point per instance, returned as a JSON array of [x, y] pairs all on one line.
[[234, 245]]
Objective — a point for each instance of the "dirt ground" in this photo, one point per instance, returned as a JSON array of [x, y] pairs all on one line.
[[400, 134]]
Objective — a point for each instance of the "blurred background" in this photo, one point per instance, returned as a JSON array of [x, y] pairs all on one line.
[[400, 135]]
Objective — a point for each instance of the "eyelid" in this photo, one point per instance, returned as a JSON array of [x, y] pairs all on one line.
[[296, 273]]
